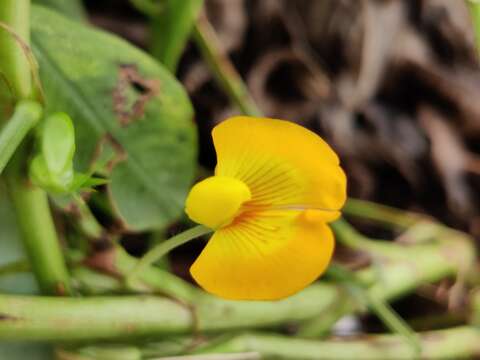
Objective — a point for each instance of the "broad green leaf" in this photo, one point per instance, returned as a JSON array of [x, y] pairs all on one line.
[[128, 112]]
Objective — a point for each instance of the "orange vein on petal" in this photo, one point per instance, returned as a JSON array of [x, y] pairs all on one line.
[[245, 262]]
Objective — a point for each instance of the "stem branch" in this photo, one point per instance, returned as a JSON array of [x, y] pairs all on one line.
[[26, 115], [166, 246], [223, 70]]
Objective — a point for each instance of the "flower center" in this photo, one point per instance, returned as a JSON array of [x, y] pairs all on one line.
[[215, 201]]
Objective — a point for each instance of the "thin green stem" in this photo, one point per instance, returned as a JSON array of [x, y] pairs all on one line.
[[26, 115], [376, 303], [163, 248], [155, 280], [348, 236], [149, 7], [380, 213], [393, 321], [86, 221], [171, 28], [225, 73], [474, 6], [16, 267], [119, 262]]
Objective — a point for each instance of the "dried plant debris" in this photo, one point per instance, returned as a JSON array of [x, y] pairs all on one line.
[[392, 85]]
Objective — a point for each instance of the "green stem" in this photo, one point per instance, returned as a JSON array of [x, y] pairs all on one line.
[[97, 352], [378, 305], [87, 223], [149, 7], [110, 317], [223, 70], [165, 247], [155, 280], [56, 318], [398, 269], [117, 262], [171, 30], [475, 307], [348, 236], [455, 343], [69, 318], [26, 115], [15, 69], [38, 232], [474, 6], [30, 203], [393, 321], [16, 267], [380, 213]]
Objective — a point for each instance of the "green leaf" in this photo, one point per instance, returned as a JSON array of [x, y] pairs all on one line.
[[82, 181], [128, 112], [71, 8], [53, 183], [58, 143]]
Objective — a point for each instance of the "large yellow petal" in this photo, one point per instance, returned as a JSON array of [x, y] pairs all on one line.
[[284, 164], [267, 257]]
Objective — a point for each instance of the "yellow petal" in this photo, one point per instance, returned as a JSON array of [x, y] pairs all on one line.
[[216, 200], [258, 258], [282, 163]]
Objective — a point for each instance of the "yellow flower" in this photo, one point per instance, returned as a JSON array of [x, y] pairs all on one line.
[[276, 185]]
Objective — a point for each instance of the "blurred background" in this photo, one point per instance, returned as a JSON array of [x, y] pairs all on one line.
[[392, 85]]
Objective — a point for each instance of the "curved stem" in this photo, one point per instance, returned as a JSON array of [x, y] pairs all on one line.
[[163, 248], [225, 73], [348, 236], [171, 29], [386, 215], [26, 115]]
